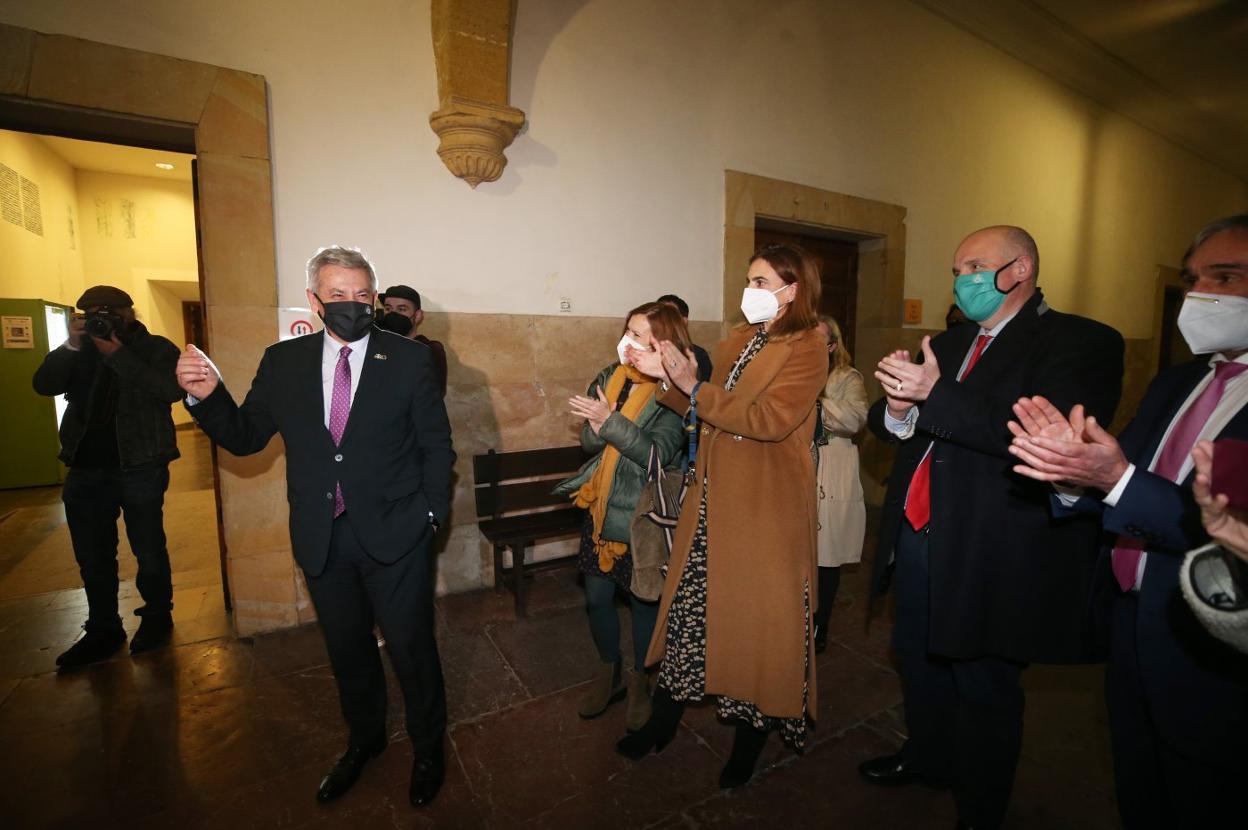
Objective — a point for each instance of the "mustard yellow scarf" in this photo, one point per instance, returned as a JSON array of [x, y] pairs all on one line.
[[595, 492]]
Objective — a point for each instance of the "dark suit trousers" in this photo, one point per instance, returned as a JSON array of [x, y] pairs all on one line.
[[351, 594], [964, 717], [1159, 783]]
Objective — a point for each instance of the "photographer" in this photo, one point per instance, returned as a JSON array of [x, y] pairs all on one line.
[[117, 439]]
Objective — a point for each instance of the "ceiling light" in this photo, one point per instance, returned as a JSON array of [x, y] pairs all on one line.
[[164, 165]]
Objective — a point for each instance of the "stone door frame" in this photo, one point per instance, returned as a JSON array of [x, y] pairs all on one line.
[[107, 93]]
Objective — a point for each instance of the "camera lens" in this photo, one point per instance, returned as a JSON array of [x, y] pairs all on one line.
[[99, 326]]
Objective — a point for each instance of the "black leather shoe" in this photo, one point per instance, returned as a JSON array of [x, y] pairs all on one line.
[[639, 744], [346, 772], [821, 639], [92, 648], [154, 632], [427, 777], [890, 770]]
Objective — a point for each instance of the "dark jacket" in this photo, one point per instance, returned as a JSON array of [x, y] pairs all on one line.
[[657, 426], [146, 385], [1007, 578], [394, 462]]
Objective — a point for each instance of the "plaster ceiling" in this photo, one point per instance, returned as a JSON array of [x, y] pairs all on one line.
[[1178, 67], [115, 158]]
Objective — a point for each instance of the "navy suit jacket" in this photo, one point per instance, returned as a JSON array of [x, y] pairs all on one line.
[[1197, 686], [394, 461]]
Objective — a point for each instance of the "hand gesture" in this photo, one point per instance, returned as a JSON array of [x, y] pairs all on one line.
[[681, 367], [594, 410], [1089, 457], [77, 330], [196, 373], [109, 346], [1227, 526], [647, 362], [905, 382], [1037, 416]]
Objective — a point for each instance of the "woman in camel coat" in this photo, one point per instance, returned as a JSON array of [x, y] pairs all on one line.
[[842, 512], [735, 615]]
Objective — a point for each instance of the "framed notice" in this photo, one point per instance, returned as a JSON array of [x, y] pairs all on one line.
[[19, 332]]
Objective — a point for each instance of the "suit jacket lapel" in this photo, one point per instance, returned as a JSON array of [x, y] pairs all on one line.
[[310, 386], [1183, 387], [372, 379]]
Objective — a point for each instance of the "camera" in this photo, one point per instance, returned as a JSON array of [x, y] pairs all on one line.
[[102, 323]]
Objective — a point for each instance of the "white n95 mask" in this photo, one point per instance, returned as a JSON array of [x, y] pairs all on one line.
[[1214, 322], [624, 343], [760, 305]]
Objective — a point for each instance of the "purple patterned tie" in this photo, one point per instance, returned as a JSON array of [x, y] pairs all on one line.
[[1125, 560], [339, 409]]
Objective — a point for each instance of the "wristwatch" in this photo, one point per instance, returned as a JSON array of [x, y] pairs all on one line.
[[434, 522]]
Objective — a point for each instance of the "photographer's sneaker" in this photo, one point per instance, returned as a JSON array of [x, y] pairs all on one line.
[[154, 632], [92, 648]]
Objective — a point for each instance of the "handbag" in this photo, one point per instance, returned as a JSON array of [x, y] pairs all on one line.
[[653, 525]]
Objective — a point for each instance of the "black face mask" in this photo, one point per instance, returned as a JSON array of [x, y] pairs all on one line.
[[398, 323], [348, 319]]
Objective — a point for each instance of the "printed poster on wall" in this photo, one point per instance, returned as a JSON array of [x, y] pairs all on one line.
[[296, 322], [19, 332]]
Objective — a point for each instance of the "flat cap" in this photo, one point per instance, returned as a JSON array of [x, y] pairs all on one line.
[[100, 295], [402, 292]]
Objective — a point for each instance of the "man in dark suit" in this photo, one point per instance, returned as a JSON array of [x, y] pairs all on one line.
[[368, 471], [1177, 698], [986, 582]]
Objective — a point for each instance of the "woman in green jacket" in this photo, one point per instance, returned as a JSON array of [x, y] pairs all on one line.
[[622, 422]]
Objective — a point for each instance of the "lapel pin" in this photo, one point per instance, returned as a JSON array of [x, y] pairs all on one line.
[[379, 356]]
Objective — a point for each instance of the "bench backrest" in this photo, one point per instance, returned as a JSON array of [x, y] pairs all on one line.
[[516, 482]]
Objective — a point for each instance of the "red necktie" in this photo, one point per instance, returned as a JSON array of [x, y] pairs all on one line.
[[919, 496], [1125, 560]]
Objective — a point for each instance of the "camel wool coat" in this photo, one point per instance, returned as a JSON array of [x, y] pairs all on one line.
[[754, 450]]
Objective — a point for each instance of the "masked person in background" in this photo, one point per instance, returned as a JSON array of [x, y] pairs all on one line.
[[117, 439], [1177, 698], [403, 316], [623, 421], [842, 512], [985, 581]]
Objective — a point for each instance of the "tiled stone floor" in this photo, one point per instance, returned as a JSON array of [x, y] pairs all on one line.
[[216, 732], [237, 733]]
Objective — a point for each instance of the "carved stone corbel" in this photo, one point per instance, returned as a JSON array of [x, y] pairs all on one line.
[[473, 136], [475, 121]]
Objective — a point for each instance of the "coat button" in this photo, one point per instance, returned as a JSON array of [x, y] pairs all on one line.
[[338, 457], [329, 496]]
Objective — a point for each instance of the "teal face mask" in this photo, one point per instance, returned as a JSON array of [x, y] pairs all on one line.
[[977, 293]]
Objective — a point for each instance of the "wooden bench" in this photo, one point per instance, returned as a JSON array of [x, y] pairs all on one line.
[[516, 509]]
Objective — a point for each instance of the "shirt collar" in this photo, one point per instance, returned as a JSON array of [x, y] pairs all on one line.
[[331, 347], [1219, 357], [995, 330]]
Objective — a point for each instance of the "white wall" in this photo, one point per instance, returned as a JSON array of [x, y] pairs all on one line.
[[615, 191]]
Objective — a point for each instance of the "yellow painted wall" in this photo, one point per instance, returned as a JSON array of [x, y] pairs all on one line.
[[47, 267], [138, 234], [614, 193]]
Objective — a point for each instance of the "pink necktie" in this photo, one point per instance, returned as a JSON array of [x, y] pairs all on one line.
[[919, 495], [1125, 560], [339, 409]]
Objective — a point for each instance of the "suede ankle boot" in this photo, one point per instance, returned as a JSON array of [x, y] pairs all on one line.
[[637, 683], [747, 745], [655, 733], [604, 690]]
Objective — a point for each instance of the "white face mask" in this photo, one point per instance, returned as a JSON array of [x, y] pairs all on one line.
[[1214, 322], [624, 343], [760, 305]]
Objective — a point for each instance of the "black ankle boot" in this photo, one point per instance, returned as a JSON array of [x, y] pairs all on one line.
[[657, 732], [747, 745]]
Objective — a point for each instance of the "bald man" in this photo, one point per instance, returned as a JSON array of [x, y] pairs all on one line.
[[986, 582]]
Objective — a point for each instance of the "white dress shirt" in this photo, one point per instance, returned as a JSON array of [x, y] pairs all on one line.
[[329, 362], [1234, 398]]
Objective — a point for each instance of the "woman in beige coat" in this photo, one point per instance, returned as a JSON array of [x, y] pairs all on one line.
[[734, 618], [842, 513]]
